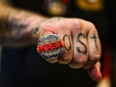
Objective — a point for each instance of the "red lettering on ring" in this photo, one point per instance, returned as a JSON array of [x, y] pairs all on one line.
[[50, 46]]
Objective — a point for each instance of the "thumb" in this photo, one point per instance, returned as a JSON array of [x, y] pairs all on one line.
[[95, 73]]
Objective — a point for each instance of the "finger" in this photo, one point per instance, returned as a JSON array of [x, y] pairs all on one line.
[[66, 57], [80, 47], [64, 33], [95, 73], [94, 48], [47, 31]]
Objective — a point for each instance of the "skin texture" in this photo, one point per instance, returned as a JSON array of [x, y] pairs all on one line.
[[82, 47]]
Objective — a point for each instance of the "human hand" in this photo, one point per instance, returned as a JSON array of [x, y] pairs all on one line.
[[82, 47], [81, 42]]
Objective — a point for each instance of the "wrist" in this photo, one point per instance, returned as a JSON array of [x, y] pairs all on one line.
[[22, 24]]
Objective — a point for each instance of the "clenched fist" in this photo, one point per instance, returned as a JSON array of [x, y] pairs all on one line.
[[81, 44]]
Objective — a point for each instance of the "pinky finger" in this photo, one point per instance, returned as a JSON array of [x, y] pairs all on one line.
[[94, 49], [95, 73]]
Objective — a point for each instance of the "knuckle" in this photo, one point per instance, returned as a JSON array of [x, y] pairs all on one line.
[[77, 63], [77, 25], [92, 61], [95, 58], [48, 27], [81, 61], [65, 60], [92, 25]]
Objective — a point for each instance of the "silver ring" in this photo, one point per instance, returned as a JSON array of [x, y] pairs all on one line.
[[50, 46]]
